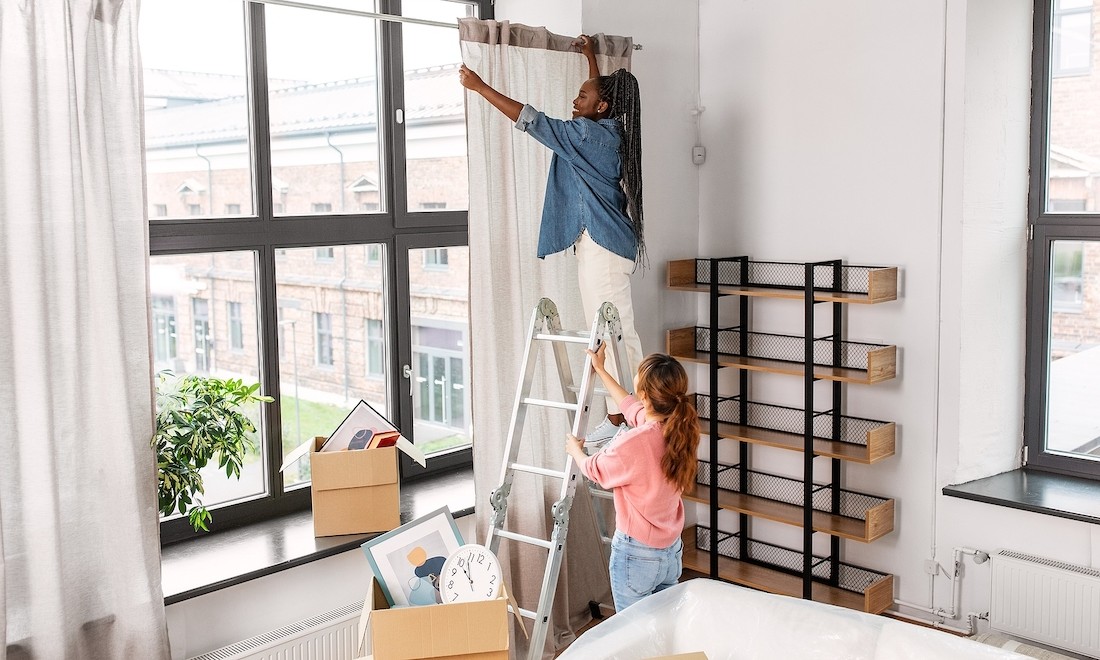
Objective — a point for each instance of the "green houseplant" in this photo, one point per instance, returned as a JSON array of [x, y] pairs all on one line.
[[199, 419]]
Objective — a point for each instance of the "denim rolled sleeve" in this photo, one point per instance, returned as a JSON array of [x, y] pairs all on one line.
[[582, 189]]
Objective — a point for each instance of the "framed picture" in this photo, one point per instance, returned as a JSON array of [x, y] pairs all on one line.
[[358, 428], [407, 561]]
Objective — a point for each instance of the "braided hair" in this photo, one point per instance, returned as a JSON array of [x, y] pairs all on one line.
[[620, 90]]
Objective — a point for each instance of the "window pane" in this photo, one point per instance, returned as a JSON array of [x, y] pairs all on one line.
[[1073, 149], [441, 353], [1073, 388], [189, 291], [322, 85], [329, 332], [197, 156], [435, 121]]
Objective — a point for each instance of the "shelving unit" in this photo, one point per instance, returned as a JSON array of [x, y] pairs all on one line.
[[826, 433]]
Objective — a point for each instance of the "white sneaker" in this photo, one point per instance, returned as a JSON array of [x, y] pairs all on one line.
[[604, 433]]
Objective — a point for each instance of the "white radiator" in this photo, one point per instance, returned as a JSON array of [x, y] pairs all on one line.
[[329, 636], [1046, 601]]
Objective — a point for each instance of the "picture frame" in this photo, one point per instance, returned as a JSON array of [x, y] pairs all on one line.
[[362, 420], [407, 561]]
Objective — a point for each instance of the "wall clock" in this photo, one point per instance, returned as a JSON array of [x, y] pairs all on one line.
[[470, 573]]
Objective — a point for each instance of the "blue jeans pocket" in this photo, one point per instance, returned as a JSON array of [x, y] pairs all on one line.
[[642, 574]]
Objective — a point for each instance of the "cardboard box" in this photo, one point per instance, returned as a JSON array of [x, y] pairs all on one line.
[[698, 655], [460, 631], [354, 491]]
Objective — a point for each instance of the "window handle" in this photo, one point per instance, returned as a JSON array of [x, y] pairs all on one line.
[[407, 372]]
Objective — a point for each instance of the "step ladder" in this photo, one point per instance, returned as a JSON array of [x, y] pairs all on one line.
[[576, 399]]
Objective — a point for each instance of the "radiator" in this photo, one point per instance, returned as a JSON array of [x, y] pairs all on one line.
[[1046, 601], [329, 636]]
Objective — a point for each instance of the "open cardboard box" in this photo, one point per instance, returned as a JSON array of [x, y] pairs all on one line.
[[459, 631], [354, 491]]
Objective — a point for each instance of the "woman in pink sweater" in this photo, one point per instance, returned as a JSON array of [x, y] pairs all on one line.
[[647, 468]]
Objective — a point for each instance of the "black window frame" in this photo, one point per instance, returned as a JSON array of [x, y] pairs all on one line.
[[265, 233], [1044, 228]]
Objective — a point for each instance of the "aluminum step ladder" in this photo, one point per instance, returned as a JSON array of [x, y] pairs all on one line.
[[576, 400]]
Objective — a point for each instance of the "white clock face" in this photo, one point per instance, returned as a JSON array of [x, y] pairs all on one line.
[[471, 573]]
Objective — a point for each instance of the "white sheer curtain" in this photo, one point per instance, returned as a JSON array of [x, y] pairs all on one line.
[[80, 562], [508, 173]]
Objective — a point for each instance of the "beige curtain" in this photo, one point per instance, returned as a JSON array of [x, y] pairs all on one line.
[[80, 561], [508, 172]]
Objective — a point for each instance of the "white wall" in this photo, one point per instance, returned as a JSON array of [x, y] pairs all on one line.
[[896, 134]]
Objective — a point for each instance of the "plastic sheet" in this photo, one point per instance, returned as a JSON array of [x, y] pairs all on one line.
[[727, 621]]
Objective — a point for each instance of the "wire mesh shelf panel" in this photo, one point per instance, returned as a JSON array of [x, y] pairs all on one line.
[[785, 275], [849, 577], [787, 348], [853, 430], [789, 491]]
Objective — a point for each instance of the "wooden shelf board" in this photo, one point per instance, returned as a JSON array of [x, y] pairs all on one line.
[[880, 442], [874, 600], [792, 368], [876, 525], [882, 286], [784, 294]]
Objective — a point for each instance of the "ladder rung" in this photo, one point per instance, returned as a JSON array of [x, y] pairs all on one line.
[[569, 336], [522, 612], [537, 470], [562, 405], [525, 539], [600, 492], [598, 391]]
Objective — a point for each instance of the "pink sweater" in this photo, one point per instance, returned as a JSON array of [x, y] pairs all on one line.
[[648, 507]]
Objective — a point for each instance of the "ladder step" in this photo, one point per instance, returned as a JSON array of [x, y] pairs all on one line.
[[598, 391], [525, 539], [537, 470], [524, 613], [567, 336], [546, 403], [601, 493]]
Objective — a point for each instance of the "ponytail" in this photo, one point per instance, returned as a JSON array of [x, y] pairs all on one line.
[[620, 90], [664, 382]]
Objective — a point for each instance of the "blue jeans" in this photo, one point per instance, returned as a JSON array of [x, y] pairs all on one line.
[[638, 570]]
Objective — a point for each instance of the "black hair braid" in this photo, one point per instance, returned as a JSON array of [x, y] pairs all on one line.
[[620, 90]]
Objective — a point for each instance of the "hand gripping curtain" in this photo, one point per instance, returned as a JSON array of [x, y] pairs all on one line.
[[80, 561], [508, 171]]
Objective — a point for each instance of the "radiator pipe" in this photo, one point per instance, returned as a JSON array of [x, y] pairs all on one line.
[[980, 557]]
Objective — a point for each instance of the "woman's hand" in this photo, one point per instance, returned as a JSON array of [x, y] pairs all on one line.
[[598, 357], [469, 79], [574, 446], [584, 44]]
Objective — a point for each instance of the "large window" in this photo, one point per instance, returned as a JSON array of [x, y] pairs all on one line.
[[1062, 421], [303, 160]]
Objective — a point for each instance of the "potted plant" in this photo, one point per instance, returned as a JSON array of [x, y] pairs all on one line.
[[199, 419]]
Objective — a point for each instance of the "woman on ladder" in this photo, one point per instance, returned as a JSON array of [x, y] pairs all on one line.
[[593, 194]]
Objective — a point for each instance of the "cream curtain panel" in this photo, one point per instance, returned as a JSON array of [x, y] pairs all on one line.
[[508, 171], [80, 562]]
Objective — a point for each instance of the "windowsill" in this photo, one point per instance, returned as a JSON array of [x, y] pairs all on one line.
[[206, 564], [1039, 492]]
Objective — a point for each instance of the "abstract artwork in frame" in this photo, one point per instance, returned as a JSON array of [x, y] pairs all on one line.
[[407, 561]]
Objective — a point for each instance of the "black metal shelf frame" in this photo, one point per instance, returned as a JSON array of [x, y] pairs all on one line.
[[787, 419], [827, 351], [816, 276], [736, 545], [741, 271]]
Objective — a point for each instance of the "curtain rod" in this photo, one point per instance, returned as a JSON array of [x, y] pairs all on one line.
[[368, 14]]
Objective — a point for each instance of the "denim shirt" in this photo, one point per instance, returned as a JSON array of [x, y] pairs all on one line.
[[583, 190]]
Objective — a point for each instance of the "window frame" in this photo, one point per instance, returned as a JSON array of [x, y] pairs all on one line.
[[264, 233], [1044, 228]]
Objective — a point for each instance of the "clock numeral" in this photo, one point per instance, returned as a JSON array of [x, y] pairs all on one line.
[[492, 579], [454, 571], [481, 559], [450, 584], [489, 593], [454, 596]]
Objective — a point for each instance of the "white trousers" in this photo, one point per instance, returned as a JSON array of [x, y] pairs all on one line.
[[605, 277]]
